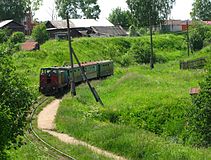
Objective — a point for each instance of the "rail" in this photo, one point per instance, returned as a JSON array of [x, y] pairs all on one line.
[[46, 144]]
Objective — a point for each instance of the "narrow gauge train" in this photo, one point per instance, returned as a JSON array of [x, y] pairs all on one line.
[[56, 79]]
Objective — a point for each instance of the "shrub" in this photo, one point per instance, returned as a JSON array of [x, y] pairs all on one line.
[[201, 115], [40, 34], [141, 52], [15, 101], [4, 35], [17, 37], [198, 33]]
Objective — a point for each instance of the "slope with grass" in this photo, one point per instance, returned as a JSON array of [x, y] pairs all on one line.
[[146, 111], [144, 116], [121, 50]]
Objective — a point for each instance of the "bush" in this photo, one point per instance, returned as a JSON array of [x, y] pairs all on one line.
[[15, 101], [201, 115], [17, 37], [4, 35], [198, 33], [40, 33], [141, 53]]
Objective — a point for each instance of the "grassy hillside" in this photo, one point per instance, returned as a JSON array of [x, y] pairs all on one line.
[[121, 50], [137, 100], [146, 111]]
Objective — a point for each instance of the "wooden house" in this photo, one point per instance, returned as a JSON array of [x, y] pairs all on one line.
[[12, 25], [84, 28]]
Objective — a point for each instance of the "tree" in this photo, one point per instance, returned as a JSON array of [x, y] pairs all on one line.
[[120, 17], [16, 9], [149, 13], [17, 37], [78, 8], [201, 10], [40, 33], [15, 101], [199, 35], [12, 10]]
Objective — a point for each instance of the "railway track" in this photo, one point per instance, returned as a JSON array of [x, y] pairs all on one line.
[[34, 138]]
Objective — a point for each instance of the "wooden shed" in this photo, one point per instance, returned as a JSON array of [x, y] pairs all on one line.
[[12, 25], [85, 28]]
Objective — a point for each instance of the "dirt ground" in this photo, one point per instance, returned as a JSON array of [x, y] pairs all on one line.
[[46, 123]]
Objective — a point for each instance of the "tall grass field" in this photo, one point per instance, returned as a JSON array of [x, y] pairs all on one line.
[[146, 111]]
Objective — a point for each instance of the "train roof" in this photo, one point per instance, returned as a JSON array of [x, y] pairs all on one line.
[[82, 64], [105, 61]]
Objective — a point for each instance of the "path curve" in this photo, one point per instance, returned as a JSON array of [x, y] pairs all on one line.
[[46, 123]]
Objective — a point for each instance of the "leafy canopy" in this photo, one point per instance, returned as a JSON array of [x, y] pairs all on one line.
[[40, 33], [201, 10], [201, 114], [16, 9], [78, 8], [153, 10], [15, 101], [121, 17]]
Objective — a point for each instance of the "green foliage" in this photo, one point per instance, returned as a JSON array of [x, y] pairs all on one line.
[[4, 35], [120, 17], [135, 98], [15, 100], [119, 49], [144, 10], [141, 52], [17, 37], [198, 33], [78, 8], [133, 31], [8, 11], [201, 114], [40, 33], [16, 9], [201, 10]]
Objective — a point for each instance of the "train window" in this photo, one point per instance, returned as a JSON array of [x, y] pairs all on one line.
[[53, 71], [48, 71]]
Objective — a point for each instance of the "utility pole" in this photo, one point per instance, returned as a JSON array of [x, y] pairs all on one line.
[[188, 39], [151, 40], [73, 91]]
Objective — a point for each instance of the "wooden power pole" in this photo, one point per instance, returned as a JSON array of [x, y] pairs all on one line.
[[73, 91]]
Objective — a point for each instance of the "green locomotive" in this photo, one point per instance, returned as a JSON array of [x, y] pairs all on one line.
[[56, 79]]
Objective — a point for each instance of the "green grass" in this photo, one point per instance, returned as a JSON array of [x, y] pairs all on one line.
[[144, 115], [146, 111], [56, 53]]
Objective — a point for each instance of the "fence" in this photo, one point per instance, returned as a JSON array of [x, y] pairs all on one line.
[[193, 64]]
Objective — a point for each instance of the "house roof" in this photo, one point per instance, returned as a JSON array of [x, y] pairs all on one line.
[[80, 23], [109, 30], [4, 23]]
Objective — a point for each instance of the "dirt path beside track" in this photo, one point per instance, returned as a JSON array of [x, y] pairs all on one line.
[[46, 123]]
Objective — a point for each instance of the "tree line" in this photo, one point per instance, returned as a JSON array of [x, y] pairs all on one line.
[[139, 13]]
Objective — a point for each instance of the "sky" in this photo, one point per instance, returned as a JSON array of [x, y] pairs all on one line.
[[181, 9]]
